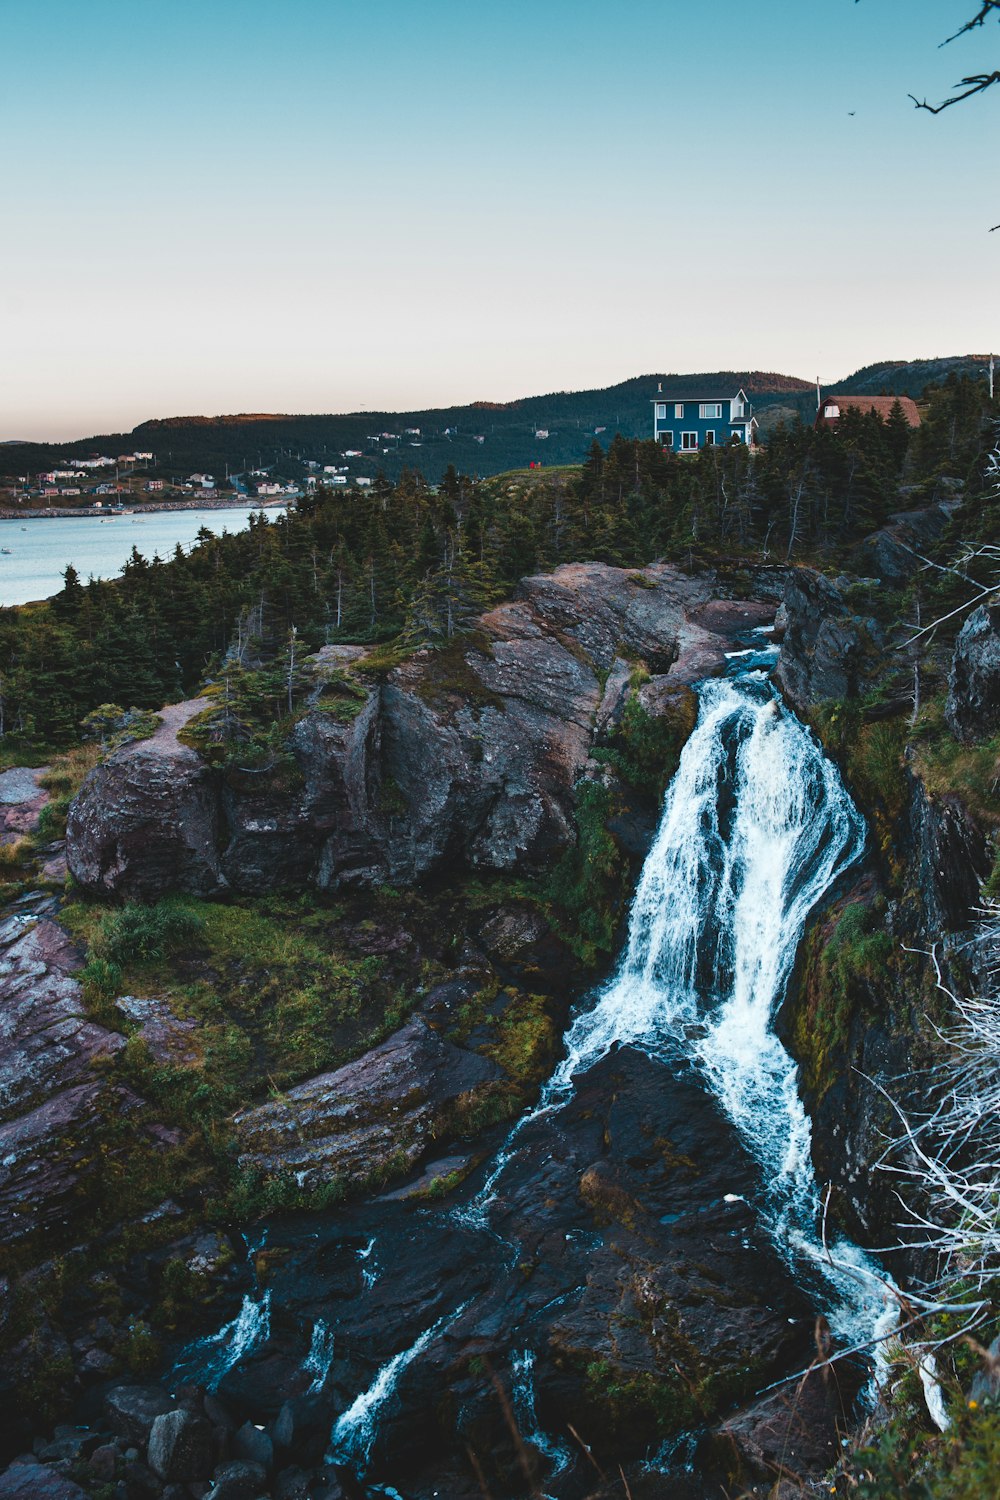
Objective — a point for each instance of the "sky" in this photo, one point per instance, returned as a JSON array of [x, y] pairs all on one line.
[[215, 206]]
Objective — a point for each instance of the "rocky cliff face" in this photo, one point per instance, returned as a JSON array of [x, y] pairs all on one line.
[[973, 707], [464, 757], [826, 646]]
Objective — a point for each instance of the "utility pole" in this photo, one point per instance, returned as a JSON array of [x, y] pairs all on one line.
[[992, 363], [819, 399]]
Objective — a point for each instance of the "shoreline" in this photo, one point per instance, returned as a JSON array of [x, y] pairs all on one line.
[[88, 513]]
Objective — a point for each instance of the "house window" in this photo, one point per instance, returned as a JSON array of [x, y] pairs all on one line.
[[689, 440], [661, 411], [710, 438], [710, 409], [667, 439], [679, 409]]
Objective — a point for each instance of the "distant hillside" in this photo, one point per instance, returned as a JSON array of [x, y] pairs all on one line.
[[482, 437], [901, 377]]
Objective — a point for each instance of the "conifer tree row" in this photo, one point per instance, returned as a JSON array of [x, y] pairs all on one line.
[[417, 564]]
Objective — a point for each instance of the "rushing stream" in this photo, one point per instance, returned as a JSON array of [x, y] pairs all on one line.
[[755, 828]]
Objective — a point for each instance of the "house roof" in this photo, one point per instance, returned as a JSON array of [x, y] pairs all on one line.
[[881, 404], [689, 399]]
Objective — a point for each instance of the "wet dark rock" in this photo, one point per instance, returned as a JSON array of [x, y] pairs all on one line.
[[36, 1482], [132, 1410], [253, 1446], [180, 1446], [141, 1483], [238, 1480], [292, 1484], [973, 707], [67, 1443], [636, 1283], [796, 1430], [370, 1116], [218, 1413], [102, 1462], [283, 1427]]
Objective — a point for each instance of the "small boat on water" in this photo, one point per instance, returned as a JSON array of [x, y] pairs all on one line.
[[5, 549]]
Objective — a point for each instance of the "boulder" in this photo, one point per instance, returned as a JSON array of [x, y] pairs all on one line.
[[180, 1446], [973, 706], [253, 1445], [796, 1430], [132, 1410], [369, 1117], [237, 1480], [148, 818], [36, 1482]]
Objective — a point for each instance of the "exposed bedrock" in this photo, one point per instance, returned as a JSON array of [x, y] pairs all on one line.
[[826, 648], [53, 1085], [973, 707], [645, 1286], [466, 757]]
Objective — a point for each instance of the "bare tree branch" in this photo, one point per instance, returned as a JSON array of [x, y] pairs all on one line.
[[969, 86]]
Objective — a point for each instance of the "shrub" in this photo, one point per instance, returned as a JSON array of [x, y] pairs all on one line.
[[140, 934]]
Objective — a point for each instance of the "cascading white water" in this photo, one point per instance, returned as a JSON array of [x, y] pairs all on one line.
[[522, 1369], [320, 1357], [355, 1430], [208, 1359]]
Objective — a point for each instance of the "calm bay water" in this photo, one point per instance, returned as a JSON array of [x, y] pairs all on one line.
[[37, 551]]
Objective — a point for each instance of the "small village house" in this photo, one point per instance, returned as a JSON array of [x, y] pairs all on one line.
[[832, 408]]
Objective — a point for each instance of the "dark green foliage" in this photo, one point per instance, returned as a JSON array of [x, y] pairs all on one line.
[[645, 750], [590, 881], [400, 563], [140, 934], [963, 1464]]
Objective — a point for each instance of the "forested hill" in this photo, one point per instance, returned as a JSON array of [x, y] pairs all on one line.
[[446, 435], [482, 438], [411, 565]]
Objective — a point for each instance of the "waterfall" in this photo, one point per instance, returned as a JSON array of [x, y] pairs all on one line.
[[755, 828], [756, 825]]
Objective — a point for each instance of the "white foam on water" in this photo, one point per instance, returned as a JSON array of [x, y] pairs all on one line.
[[320, 1357], [208, 1359], [355, 1430]]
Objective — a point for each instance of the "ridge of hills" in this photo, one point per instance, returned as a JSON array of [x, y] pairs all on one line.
[[482, 437]]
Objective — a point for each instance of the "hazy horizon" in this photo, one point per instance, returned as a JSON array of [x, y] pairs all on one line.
[[319, 208], [829, 385]]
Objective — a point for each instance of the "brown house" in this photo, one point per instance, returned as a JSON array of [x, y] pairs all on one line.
[[832, 408]]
